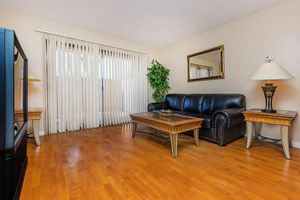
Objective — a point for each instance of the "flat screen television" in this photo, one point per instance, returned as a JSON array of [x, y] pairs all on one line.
[[13, 114]]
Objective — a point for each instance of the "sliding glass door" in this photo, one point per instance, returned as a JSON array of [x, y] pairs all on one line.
[[90, 85]]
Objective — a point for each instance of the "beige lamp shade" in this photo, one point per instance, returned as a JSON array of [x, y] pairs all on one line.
[[32, 77], [271, 71]]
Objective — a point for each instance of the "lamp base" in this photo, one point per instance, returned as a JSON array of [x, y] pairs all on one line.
[[269, 90], [268, 111]]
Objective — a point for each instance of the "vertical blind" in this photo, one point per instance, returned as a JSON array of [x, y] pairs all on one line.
[[91, 85]]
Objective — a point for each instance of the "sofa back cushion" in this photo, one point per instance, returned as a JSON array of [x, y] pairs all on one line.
[[204, 103], [193, 103], [223, 101], [175, 101]]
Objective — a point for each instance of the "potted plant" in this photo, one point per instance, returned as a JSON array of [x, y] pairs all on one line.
[[158, 78]]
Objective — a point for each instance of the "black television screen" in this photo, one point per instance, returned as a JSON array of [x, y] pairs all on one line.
[[18, 91]]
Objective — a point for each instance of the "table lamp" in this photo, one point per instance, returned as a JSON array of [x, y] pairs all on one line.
[[269, 72]]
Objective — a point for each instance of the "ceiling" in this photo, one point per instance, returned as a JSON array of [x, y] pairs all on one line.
[[156, 23]]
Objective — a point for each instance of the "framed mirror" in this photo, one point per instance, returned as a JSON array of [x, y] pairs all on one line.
[[206, 65]]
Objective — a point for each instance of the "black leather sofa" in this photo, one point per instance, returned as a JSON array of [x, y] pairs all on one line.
[[223, 119]]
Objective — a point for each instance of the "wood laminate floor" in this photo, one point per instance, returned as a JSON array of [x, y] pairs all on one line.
[[106, 163]]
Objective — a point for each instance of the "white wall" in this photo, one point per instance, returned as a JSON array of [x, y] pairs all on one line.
[[247, 41], [32, 44]]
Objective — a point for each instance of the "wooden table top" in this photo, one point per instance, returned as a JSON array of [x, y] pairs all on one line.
[[33, 114], [30, 110], [172, 120], [279, 113]]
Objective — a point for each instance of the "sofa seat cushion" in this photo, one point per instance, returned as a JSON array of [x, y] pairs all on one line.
[[207, 122]]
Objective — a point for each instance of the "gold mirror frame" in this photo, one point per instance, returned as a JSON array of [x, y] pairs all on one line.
[[221, 76]]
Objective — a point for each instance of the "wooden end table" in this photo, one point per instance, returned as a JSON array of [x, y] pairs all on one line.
[[284, 118], [172, 125], [34, 114]]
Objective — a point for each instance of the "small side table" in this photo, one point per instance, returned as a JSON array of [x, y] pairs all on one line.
[[34, 114], [283, 118]]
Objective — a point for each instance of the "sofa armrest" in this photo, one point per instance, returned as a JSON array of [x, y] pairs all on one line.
[[232, 116], [156, 106]]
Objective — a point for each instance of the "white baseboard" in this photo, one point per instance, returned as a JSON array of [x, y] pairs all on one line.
[[296, 145], [41, 133]]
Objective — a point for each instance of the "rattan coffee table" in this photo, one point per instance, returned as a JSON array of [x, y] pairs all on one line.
[[172, 125]]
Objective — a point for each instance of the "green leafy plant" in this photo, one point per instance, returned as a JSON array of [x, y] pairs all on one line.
[[158, 78]]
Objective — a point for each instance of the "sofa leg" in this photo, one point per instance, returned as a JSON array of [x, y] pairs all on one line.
[[220, 141], [221, 144]]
